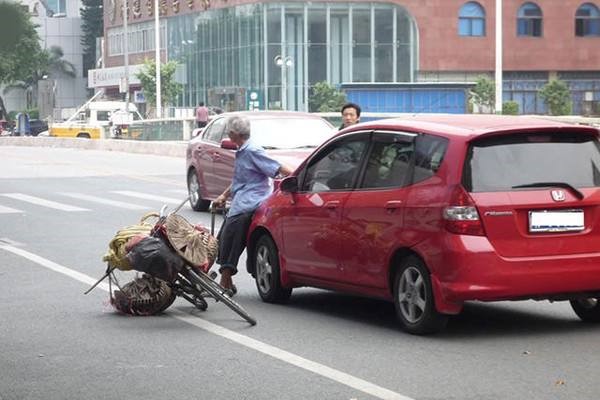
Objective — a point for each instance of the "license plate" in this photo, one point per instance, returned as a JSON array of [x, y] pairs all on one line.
[[556, 221]]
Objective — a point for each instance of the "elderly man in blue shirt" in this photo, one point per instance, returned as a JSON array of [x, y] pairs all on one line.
[[250, 186]]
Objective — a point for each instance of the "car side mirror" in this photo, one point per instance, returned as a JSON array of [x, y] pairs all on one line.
[[228, 144], [289, 184]]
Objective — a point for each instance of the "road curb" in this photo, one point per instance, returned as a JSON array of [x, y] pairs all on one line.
[[163, 148]]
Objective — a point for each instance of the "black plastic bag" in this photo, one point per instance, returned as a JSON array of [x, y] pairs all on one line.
[[153, 256]]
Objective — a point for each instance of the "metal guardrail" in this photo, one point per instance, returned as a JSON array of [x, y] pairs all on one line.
[[161, 129], [173, 129]]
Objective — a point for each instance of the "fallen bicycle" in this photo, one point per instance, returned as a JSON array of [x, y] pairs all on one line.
[[175, 258]]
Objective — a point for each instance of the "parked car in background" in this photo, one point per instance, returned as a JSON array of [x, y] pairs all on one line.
[[287, 136], [5, 129], [433, 211], [36, 126]]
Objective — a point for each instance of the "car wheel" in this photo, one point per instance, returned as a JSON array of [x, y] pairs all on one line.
[[413, 299], [83, 135], [197, 203], [587, 309], [267, 272]]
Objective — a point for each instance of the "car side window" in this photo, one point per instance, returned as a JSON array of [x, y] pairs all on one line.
[[103, 115], [337, 166], [214, 132], [389, 162], [429, 154]]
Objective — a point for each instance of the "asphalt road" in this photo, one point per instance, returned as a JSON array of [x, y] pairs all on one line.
[[56, 343]]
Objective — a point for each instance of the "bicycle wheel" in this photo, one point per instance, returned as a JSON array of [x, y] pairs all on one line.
[[217, 292], [185, 290]]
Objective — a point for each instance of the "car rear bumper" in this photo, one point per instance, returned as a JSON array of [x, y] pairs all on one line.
[[470, 269]]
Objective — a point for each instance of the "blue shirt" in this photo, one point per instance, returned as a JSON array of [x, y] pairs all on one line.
[[251, 184]]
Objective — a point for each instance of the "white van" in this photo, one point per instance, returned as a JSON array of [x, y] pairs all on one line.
[[93, 120]]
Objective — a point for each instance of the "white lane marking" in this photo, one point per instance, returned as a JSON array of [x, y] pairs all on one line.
[[290, 358], [52, 265], [8, 241], [102, 200], [146, 196], [272, 351], [43, 202], [8, 210]]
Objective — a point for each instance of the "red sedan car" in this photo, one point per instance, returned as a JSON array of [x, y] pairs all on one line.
[[433, 211], [289, 137]]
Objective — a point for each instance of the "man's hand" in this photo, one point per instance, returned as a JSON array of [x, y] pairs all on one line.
[[284, 170], [220, 201]]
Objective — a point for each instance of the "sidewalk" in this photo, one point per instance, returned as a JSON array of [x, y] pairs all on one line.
[[163, 148]]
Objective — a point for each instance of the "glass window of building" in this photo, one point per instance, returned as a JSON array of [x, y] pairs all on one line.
[[529, 20], [361, 44], [471, 20], [587, 20], [141, 38], [57, 6], [277, 51]]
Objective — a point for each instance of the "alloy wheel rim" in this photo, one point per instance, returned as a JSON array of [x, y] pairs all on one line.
[[193, 187], [264, 269], [589, 303], [411, 295]]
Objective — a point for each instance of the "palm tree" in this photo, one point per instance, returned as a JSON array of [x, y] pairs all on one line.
[[52, 64], [56, 63]]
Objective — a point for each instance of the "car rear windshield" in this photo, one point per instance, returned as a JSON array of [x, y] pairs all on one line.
[[290, 133], [508, 162]]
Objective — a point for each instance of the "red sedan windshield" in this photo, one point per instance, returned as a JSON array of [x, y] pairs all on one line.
[[290, 133]]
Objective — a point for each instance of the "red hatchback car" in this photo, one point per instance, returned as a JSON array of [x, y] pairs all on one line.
[[432, 211], [287, 136]]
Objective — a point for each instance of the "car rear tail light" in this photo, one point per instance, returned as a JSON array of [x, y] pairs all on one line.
[[461, 215]]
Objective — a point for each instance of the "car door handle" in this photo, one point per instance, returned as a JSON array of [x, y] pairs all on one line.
[[393, 204], [332, 204]]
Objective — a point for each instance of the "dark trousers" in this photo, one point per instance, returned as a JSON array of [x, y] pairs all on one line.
[[232, 240]]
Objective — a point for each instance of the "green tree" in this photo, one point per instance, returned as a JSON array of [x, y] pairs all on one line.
[[484, 93], [50, 64], [169, 89], [20, 51], [510, 108], [557, 97], [325, 98], [92, 25]]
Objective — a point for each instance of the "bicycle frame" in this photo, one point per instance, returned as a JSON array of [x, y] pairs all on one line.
[[190, 282]]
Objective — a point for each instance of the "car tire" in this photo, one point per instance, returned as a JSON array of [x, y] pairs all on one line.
[[196, 202], [83, 135], [587, 309], [268, 273], [413, 299]]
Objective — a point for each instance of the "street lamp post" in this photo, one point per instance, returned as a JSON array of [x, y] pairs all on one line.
[[126, 53], [157, 58], [498, 73], [284, 63]]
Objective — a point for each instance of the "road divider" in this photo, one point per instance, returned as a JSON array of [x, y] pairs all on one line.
[[163, 148]]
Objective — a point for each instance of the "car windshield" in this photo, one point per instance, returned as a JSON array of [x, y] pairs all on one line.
[[290, 133], [516, 162]]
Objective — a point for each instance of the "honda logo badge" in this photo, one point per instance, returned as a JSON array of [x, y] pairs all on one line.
[[558, 195]]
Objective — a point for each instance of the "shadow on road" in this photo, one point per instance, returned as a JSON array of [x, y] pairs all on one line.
[[482, 320]]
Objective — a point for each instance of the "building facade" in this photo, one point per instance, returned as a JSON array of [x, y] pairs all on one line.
[[239, 54], [58, 24]]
